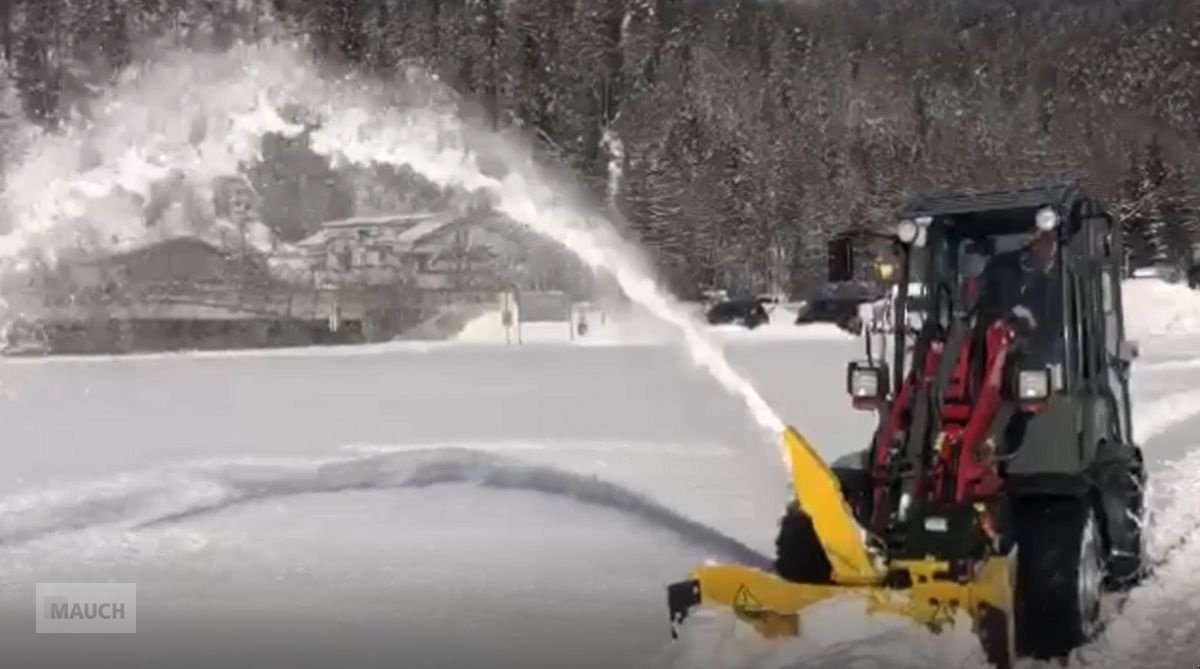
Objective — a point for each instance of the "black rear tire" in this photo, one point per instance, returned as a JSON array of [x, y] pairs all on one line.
[[799, 556], [1060, 575]]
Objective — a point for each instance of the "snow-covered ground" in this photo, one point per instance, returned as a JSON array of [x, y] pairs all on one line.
[[471, 504]]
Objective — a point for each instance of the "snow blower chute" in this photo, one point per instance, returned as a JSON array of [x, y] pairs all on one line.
[[1002, 481]]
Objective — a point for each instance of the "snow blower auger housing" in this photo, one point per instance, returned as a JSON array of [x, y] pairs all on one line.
[[1002, 481]]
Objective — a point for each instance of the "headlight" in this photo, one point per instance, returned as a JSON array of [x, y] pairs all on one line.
[[1047, 219], [906, 231], [1033, 384], [864, 384], [865, 381]]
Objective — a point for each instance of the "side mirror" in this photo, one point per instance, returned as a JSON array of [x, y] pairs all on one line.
[[841, 260], [867, 384]]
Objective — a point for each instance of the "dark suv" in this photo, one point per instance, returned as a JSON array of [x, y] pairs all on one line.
[[749, 312], [839, 303]]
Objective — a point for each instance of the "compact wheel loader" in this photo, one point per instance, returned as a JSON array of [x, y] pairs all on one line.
[[1002, 481]]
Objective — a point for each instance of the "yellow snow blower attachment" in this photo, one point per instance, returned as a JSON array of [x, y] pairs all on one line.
[[930, 592]]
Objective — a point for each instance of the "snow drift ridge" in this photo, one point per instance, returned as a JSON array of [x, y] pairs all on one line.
[[159, 498]]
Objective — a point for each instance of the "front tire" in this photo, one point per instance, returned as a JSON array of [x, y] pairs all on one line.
[[1128, 568], [1060, 575]]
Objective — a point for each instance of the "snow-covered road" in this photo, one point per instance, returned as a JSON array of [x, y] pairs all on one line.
[[436, 506]]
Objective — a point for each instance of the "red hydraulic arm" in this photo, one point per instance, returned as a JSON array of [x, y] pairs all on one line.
[[965, 470]]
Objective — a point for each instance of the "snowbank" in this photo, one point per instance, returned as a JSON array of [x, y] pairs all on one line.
[[1155, 308], [632, 325], [445, 323], [488, 328]]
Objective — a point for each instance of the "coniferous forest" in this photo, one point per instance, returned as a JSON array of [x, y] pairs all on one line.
[[735, 136]]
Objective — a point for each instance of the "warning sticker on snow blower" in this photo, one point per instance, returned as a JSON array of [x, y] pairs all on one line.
[[745, 602], [769, 623]]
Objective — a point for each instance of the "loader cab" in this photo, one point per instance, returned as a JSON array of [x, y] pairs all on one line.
[[1064, 423], [1053, 251], [1051, 264]]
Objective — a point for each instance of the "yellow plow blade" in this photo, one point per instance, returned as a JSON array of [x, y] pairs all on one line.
[[923, 592]]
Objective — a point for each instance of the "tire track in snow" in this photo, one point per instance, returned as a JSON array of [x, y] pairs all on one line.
[[155, 499]]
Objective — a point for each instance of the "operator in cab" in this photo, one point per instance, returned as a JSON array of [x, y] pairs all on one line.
[[1023, 287], [1040, 304]]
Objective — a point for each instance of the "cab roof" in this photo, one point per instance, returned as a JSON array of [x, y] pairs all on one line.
[[1062, 195]]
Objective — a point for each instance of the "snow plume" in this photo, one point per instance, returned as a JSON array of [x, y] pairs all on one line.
[[190, 119], [361, 130], [138, 501], [199, 117]]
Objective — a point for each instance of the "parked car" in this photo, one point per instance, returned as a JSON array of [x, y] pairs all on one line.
[[748, 312], [840, 304]]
